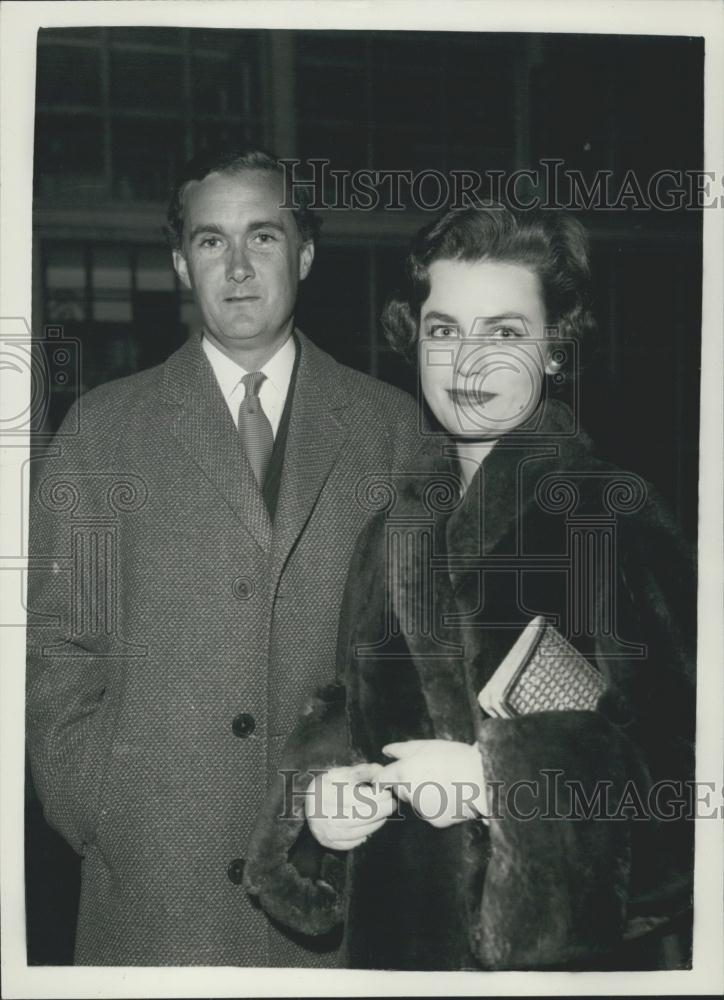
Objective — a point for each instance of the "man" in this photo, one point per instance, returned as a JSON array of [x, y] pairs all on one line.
[[190, 546]]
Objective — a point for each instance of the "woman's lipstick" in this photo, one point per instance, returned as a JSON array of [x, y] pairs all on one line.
[[470, 397]]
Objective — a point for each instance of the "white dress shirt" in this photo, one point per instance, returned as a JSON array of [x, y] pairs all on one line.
[[274, 388]]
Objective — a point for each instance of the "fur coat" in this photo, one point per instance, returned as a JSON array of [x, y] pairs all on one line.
[[439, 588]]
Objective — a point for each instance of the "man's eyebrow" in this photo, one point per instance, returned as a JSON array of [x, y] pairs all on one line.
[[267, 224], [213, 227], [440, 316], [205, 227]]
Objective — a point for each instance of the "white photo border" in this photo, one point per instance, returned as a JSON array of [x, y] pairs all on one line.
[[19, 22]]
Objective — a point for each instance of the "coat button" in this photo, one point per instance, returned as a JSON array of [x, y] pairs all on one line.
[[243, 725], [235, 871], [242, 588]]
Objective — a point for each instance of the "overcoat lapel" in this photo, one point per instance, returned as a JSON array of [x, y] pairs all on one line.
[[202, 425], [317, 431]]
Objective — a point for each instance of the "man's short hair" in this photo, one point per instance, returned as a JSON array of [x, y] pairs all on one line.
[[238, 161]]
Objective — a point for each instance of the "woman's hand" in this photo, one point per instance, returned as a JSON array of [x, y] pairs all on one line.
[[442, 780], [343, 809]]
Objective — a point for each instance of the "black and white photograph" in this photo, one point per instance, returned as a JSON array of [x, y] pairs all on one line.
[[362, 480]]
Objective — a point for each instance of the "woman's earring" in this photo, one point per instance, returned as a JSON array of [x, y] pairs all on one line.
[[555, 362]]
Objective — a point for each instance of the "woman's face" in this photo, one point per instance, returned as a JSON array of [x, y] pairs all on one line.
[[482, 346]]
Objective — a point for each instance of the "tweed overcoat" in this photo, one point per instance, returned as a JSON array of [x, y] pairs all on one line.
[[438, 591], [173, 635]]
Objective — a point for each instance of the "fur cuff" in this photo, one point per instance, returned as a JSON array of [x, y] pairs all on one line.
[[297, 881], [556, 888]]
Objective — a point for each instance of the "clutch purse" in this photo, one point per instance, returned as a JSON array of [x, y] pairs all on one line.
[[542, 672]]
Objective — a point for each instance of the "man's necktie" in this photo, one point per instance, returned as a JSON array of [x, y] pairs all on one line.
[[254, 427]]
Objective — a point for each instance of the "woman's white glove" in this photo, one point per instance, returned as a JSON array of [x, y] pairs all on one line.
[[343, 808], [442, 780]]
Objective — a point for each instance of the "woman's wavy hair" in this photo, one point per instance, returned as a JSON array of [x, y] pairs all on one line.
[[552, 244]]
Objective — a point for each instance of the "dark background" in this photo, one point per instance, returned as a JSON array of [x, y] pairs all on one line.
[[118, 110]]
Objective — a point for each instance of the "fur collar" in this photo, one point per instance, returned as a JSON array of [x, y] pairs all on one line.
[[495, 495], [441, 647]]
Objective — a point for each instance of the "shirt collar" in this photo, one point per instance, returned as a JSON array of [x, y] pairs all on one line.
[[278, 369]]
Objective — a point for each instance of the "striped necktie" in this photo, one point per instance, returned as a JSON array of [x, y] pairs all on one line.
[[254, 427]]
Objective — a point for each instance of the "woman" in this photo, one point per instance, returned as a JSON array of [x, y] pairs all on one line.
[[445, 833]]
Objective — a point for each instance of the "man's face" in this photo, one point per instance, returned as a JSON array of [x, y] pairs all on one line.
[[243, 259], [482, 349]]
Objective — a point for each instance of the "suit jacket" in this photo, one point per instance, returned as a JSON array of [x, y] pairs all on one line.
[[173, 635], [437, 593]]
